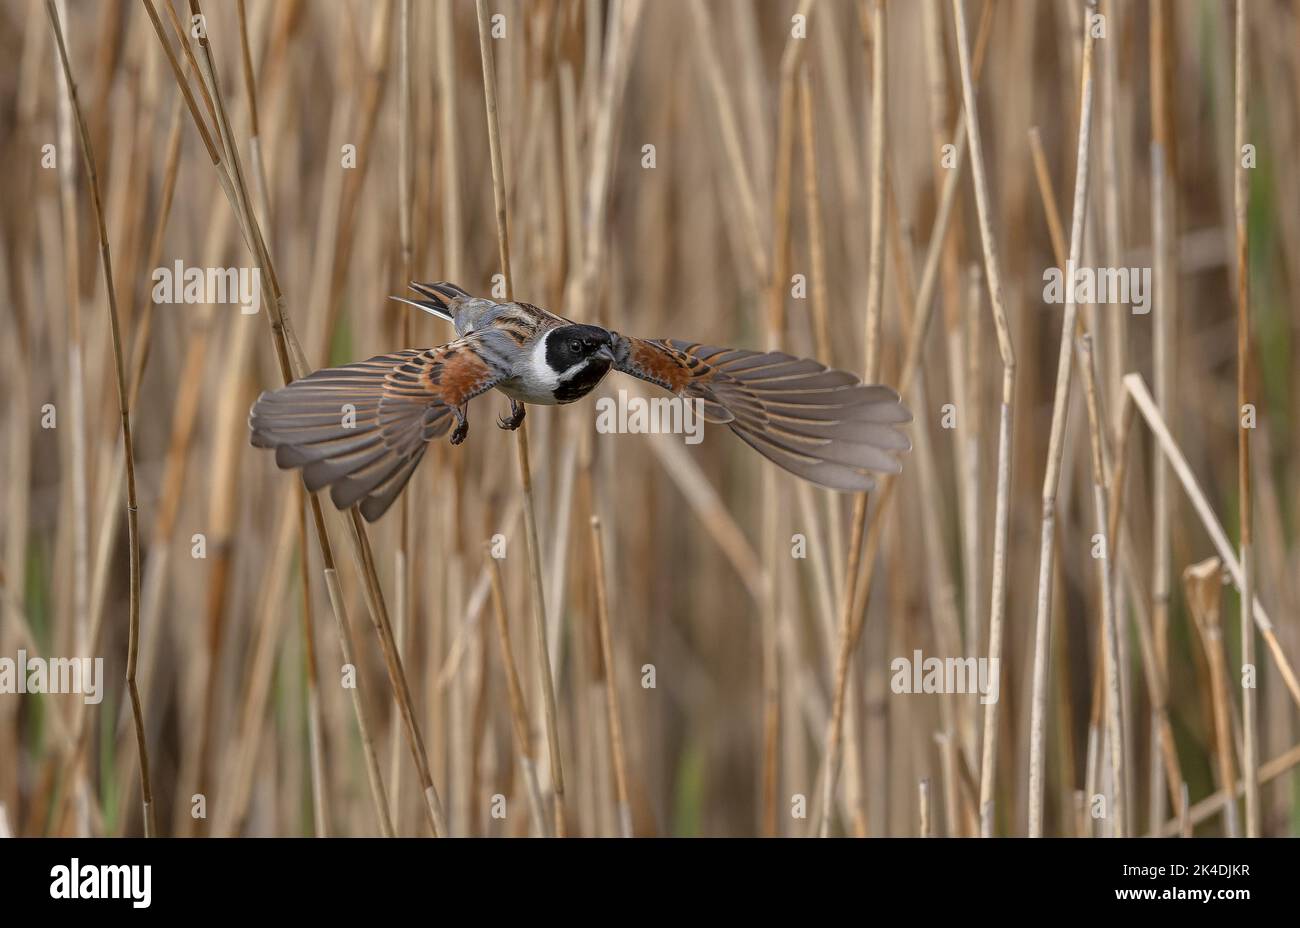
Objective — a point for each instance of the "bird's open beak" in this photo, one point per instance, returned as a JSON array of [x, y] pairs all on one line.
[[605, 353]]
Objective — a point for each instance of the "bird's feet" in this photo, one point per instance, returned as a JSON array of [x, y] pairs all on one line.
[[459, 433], [515, 419]]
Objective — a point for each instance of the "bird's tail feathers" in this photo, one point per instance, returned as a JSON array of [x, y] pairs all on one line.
[[439, 298]]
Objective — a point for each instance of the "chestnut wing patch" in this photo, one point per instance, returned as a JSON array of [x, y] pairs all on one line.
[[450, 375]]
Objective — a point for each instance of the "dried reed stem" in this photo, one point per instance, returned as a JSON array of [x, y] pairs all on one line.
[[875, 295], [124, 411], [876, 158], [315, 737], [1164, 232], [1203, 583], [816, 246], [1147, 406], [315, 734], [923, 807], [1112, 218], [779, 270], [402, 596], [1053, 215], [518, 704], [451, 214], [1055, 449], [77, 456], [1241, 189], [993, 278], [521, 434], [1117, 534], [1108, 676], [396, 673], [1106, 577], [611, 680], [821, 329]]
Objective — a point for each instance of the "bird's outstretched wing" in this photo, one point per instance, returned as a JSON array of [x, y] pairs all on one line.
[[362, 428], [820, 424]]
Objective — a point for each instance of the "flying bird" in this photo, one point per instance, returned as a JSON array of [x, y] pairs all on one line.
[[361, 429]]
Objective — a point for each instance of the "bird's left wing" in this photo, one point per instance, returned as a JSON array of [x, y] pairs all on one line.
[[362, 428], [820, 424]]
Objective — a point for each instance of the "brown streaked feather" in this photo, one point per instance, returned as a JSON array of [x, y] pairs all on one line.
[[821, 424], [361, 429]]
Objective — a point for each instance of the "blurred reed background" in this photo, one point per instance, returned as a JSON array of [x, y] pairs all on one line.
[[794, 197]]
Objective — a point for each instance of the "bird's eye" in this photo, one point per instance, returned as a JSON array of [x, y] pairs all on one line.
[[575, 347]]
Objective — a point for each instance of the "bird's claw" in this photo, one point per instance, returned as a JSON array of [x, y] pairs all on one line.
[[515, 419], [459, 434]]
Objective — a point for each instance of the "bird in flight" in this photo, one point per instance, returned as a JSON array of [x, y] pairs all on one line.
[[361, 429]]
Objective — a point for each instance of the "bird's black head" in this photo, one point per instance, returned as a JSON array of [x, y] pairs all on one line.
[[570, 345]]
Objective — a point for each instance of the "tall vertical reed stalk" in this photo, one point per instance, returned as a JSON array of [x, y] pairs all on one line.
[[1241, 198], [1051, 478], [521, 434], [124, 413]]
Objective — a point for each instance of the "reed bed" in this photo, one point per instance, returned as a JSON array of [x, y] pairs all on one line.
[[625, 634]]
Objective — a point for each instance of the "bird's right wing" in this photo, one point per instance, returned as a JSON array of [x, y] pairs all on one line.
[[362, 428], [820, 424]]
